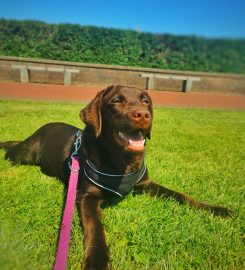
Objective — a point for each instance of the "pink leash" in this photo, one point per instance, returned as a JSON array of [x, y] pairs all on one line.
[[65, 231]]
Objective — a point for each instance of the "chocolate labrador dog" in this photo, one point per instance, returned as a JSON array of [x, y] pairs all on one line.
[[112, 160]]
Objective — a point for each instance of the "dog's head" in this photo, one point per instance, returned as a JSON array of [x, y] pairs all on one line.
[[121, 114]]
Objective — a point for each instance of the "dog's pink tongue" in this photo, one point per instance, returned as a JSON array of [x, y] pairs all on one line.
[[136, 141]]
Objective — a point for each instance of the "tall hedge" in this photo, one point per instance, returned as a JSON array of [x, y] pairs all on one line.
[[89, 44]]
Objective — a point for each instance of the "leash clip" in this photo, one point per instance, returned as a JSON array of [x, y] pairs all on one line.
[[77, 145], [78, 142]]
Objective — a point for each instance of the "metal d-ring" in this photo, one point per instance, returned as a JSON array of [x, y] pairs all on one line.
[[70, 164]]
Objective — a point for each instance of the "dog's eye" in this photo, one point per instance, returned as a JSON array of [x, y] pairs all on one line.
[[145, 101], [117, 100]]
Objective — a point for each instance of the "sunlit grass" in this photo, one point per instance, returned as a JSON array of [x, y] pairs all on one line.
[[200, 152]]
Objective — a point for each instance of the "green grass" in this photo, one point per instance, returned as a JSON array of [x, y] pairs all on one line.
[[200, 152]]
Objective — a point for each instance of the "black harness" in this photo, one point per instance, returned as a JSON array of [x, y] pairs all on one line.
[[119, 184]]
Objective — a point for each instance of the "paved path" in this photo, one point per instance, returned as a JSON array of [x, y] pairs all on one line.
[[85, 94]]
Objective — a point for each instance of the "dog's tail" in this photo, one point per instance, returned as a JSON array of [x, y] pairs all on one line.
[[9, 144]]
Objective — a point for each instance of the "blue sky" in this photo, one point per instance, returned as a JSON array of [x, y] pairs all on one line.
[[208, 18]]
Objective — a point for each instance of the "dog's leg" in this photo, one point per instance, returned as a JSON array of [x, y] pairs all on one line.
[[9, 144], [24, 152], [96, 251], [17, 152], [154, 189]]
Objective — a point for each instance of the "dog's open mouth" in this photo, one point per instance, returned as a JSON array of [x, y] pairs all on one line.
[[134, 140]]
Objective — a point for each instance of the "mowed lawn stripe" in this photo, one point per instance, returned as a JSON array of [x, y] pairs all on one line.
[[200, 152]]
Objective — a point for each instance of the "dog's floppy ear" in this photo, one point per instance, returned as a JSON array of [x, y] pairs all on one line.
[[91, 114]]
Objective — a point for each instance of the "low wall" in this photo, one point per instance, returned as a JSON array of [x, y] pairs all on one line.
[[104, 75]]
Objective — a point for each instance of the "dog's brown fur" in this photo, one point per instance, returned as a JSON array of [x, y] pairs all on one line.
[[115, 109]]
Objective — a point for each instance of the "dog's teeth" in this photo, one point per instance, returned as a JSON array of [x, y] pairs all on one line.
[[137, 143]]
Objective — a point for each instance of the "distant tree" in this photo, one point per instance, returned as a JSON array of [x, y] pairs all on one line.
[[120, 47]]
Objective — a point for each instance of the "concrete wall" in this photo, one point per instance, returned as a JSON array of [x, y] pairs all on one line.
[[104, 75]]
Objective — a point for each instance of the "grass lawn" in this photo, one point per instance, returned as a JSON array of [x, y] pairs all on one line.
[[200, 152]]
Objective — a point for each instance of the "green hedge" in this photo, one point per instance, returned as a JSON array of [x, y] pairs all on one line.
[[120, 47]]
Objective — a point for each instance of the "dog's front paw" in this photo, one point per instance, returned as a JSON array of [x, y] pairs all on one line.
[[222, 211], [97, 259]]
